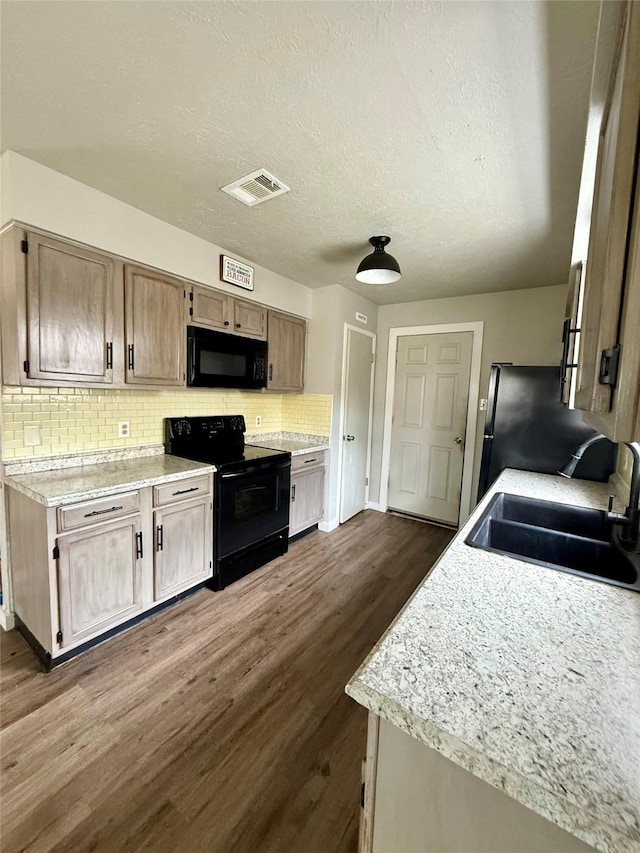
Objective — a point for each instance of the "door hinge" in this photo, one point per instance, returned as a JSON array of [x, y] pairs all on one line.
[[59, 637], [366, 481], [373, 357], [26, 366], [191, 296], [184, 294], [210, 564], [190, 311], [609, 361], [24, 247], [56, 553]]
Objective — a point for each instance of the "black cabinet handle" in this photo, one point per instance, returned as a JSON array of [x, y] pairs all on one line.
[[270, 371], [159, 537], [110, 355], [102, 511], [306, 461], [139, 552], [238, 326], [130, 356], [293, 493], [186, 491], [226, 322]]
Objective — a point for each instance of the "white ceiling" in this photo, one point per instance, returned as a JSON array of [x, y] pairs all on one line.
[[456, 128]]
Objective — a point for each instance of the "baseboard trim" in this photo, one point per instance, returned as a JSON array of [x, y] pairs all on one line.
[[7, 619], [328, 526]]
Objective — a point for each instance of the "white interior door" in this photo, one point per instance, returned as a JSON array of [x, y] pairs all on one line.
[[358, 384], [428, 430]]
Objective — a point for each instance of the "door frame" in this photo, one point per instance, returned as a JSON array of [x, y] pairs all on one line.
[[343, 404], [477, 330]]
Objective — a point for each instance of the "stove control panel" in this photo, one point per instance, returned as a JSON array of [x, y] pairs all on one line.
[[205, 428]]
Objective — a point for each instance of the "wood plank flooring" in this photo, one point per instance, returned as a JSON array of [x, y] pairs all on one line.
[[221, 724]]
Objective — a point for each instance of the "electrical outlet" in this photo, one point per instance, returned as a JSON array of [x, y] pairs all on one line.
[[258, 420], [123, 429], [31, 436]]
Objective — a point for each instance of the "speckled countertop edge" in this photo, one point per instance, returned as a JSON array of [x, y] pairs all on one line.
[[61, 487], [382, 684], [294, 443]]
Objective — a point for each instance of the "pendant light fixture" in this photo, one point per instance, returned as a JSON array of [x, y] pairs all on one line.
[[379, 267]]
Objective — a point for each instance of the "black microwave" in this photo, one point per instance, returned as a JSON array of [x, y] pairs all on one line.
[[221, 360]]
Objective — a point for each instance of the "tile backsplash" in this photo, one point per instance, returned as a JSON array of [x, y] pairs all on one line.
[[80, 419]]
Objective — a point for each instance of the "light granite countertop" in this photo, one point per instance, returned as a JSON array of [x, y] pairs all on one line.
[[69, 485], [291, 442], [527, 677]]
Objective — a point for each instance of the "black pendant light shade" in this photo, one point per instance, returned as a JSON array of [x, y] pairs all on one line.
[[379, 267]]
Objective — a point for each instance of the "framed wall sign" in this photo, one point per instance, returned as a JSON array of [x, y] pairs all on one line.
[[236, 272]]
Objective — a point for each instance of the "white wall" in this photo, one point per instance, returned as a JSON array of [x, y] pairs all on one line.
[[35, 195], [521, 326], [333, 306]]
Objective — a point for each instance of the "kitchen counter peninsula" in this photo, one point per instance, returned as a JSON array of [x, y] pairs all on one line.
[[526, 677]]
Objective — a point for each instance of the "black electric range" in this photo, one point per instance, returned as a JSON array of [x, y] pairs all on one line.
[[251, 494]]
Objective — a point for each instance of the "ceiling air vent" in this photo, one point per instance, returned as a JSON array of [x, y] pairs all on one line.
[[255, 188]]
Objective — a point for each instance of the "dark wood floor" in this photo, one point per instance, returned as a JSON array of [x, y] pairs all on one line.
[[221, 724]]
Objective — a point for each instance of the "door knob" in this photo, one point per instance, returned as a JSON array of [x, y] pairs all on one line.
[[458, 440], [350, 437]]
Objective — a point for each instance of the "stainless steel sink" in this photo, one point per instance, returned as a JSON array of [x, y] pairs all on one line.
[[571, 539]]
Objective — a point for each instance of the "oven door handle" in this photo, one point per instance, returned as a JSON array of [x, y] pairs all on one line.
[[256, 469]]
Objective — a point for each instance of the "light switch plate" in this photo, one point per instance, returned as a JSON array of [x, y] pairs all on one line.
[[31, 436]]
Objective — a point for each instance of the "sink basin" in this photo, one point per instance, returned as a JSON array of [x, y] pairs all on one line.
[[571, 539]]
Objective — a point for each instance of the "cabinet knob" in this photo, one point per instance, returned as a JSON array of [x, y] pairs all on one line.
[[226, 322], [238, 326]]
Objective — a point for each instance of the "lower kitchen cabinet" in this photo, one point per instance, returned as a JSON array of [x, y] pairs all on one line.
[[99, 578], [183, 545], [416, 799], [80, 570], [307, 491]]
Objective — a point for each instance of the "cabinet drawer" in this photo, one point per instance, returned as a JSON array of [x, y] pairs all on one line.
[[181, 490], [92, 512], [307, 460]]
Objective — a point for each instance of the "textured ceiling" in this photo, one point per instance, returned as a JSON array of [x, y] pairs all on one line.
[[456, 128]]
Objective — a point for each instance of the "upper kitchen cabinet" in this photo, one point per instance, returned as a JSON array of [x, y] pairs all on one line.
[[154, 328], [215, 309], [69, 306], [287, 339], [608, 367]]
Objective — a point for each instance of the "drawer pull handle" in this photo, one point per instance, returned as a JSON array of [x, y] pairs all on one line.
[[270, 372], [102, 511], [293, 493], [306, 461], [186, 491], [160, 537]]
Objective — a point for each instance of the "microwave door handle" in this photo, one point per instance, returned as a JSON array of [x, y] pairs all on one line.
[[192, 361]]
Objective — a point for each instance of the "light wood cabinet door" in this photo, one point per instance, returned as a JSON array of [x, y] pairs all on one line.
[[307, 499], [155, 328], [183, 547], [70, 298], [212, 309], [287, 340], [99, 578], [610, 221], [249, 320]]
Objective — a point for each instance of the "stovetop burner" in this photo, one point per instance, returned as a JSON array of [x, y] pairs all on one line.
[[218, 440]]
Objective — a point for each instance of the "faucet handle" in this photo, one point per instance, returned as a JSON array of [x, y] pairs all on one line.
[[610, 507]]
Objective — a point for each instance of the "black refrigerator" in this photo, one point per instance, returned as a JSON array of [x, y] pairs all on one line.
[[528, 428]]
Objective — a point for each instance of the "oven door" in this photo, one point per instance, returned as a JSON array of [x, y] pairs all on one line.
[[220, 360], [253, 504]]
